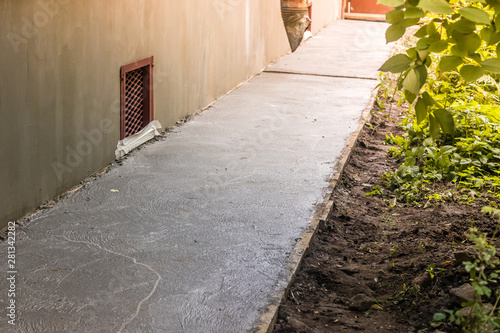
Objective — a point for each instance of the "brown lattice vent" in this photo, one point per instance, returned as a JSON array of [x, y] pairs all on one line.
[[137, 96]]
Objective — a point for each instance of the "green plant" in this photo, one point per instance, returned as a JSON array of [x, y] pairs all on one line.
[[432, 270], [449, 76], [407, 293], [462, 37], [475, 316], [470, 160], [377, 190]]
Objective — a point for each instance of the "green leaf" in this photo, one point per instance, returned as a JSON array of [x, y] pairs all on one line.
[[475, 56], [464, 26], [495, 38], [449, 63], [498, 50], [422, 75], [486, 291], [422, 32], [458, 51], [394, 32], [422, 54], [438, 46], [431, 29], [396, 64], [428, 61], [412, 53], [433, 127], [486, 34], [414, 12], [436, 6], [470, 42], [492, 64], [391, 3], [475, 15], [394, 16], [428, 99], [421, 110], [435, 324], [471, 73], [445, 120], [410, 97], [439, 316], [409, 22], [423, 43], [412, 82]]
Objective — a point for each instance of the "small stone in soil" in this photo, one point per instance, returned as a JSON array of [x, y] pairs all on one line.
[[465, 312], [360, 302], [464, 293], [423, 280], [350, 269], [464, 255], [296, 324]]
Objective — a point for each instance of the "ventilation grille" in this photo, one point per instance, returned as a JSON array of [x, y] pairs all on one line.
[[134, 101], [136, 97]]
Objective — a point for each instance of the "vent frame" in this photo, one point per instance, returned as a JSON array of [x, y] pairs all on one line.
[[144, 68]]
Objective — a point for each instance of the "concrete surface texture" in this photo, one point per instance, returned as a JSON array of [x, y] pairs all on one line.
[[354, 50], [192, 233], [60, 77]]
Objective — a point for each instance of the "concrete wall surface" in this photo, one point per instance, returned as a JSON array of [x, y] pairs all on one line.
[[60, 66]]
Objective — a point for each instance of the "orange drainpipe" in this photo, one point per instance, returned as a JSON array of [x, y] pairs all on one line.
[[295, 15]]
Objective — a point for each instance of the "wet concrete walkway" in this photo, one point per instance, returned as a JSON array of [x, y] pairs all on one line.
[[198, 236]]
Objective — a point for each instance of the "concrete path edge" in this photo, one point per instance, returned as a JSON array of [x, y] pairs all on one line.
[[269, 318]]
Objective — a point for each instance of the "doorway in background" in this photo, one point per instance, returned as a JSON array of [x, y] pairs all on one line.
[[365, 10]]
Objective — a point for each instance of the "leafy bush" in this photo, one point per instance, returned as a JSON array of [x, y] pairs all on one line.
[[463, 37], [449, 78], [470, 159]]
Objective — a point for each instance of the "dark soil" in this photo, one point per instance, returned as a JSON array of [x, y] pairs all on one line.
[[369, 248]]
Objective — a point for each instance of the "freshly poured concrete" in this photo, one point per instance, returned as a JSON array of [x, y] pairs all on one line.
[[197, 237], [346, 48]]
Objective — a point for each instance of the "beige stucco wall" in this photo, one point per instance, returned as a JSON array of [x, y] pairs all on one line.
[[60, 77], [324, 13]]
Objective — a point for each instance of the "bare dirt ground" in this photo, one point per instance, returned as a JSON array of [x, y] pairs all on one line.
[[368, 268]]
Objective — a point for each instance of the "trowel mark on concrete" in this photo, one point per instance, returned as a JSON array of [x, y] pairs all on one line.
[[134, 260], [90, 263]]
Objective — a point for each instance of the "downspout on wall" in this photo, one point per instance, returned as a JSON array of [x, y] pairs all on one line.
[[295, 15]]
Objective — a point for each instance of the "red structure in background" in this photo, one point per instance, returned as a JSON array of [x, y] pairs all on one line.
[[365, 9]]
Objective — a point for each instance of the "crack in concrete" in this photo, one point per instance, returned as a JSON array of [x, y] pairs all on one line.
[[139, 306]]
